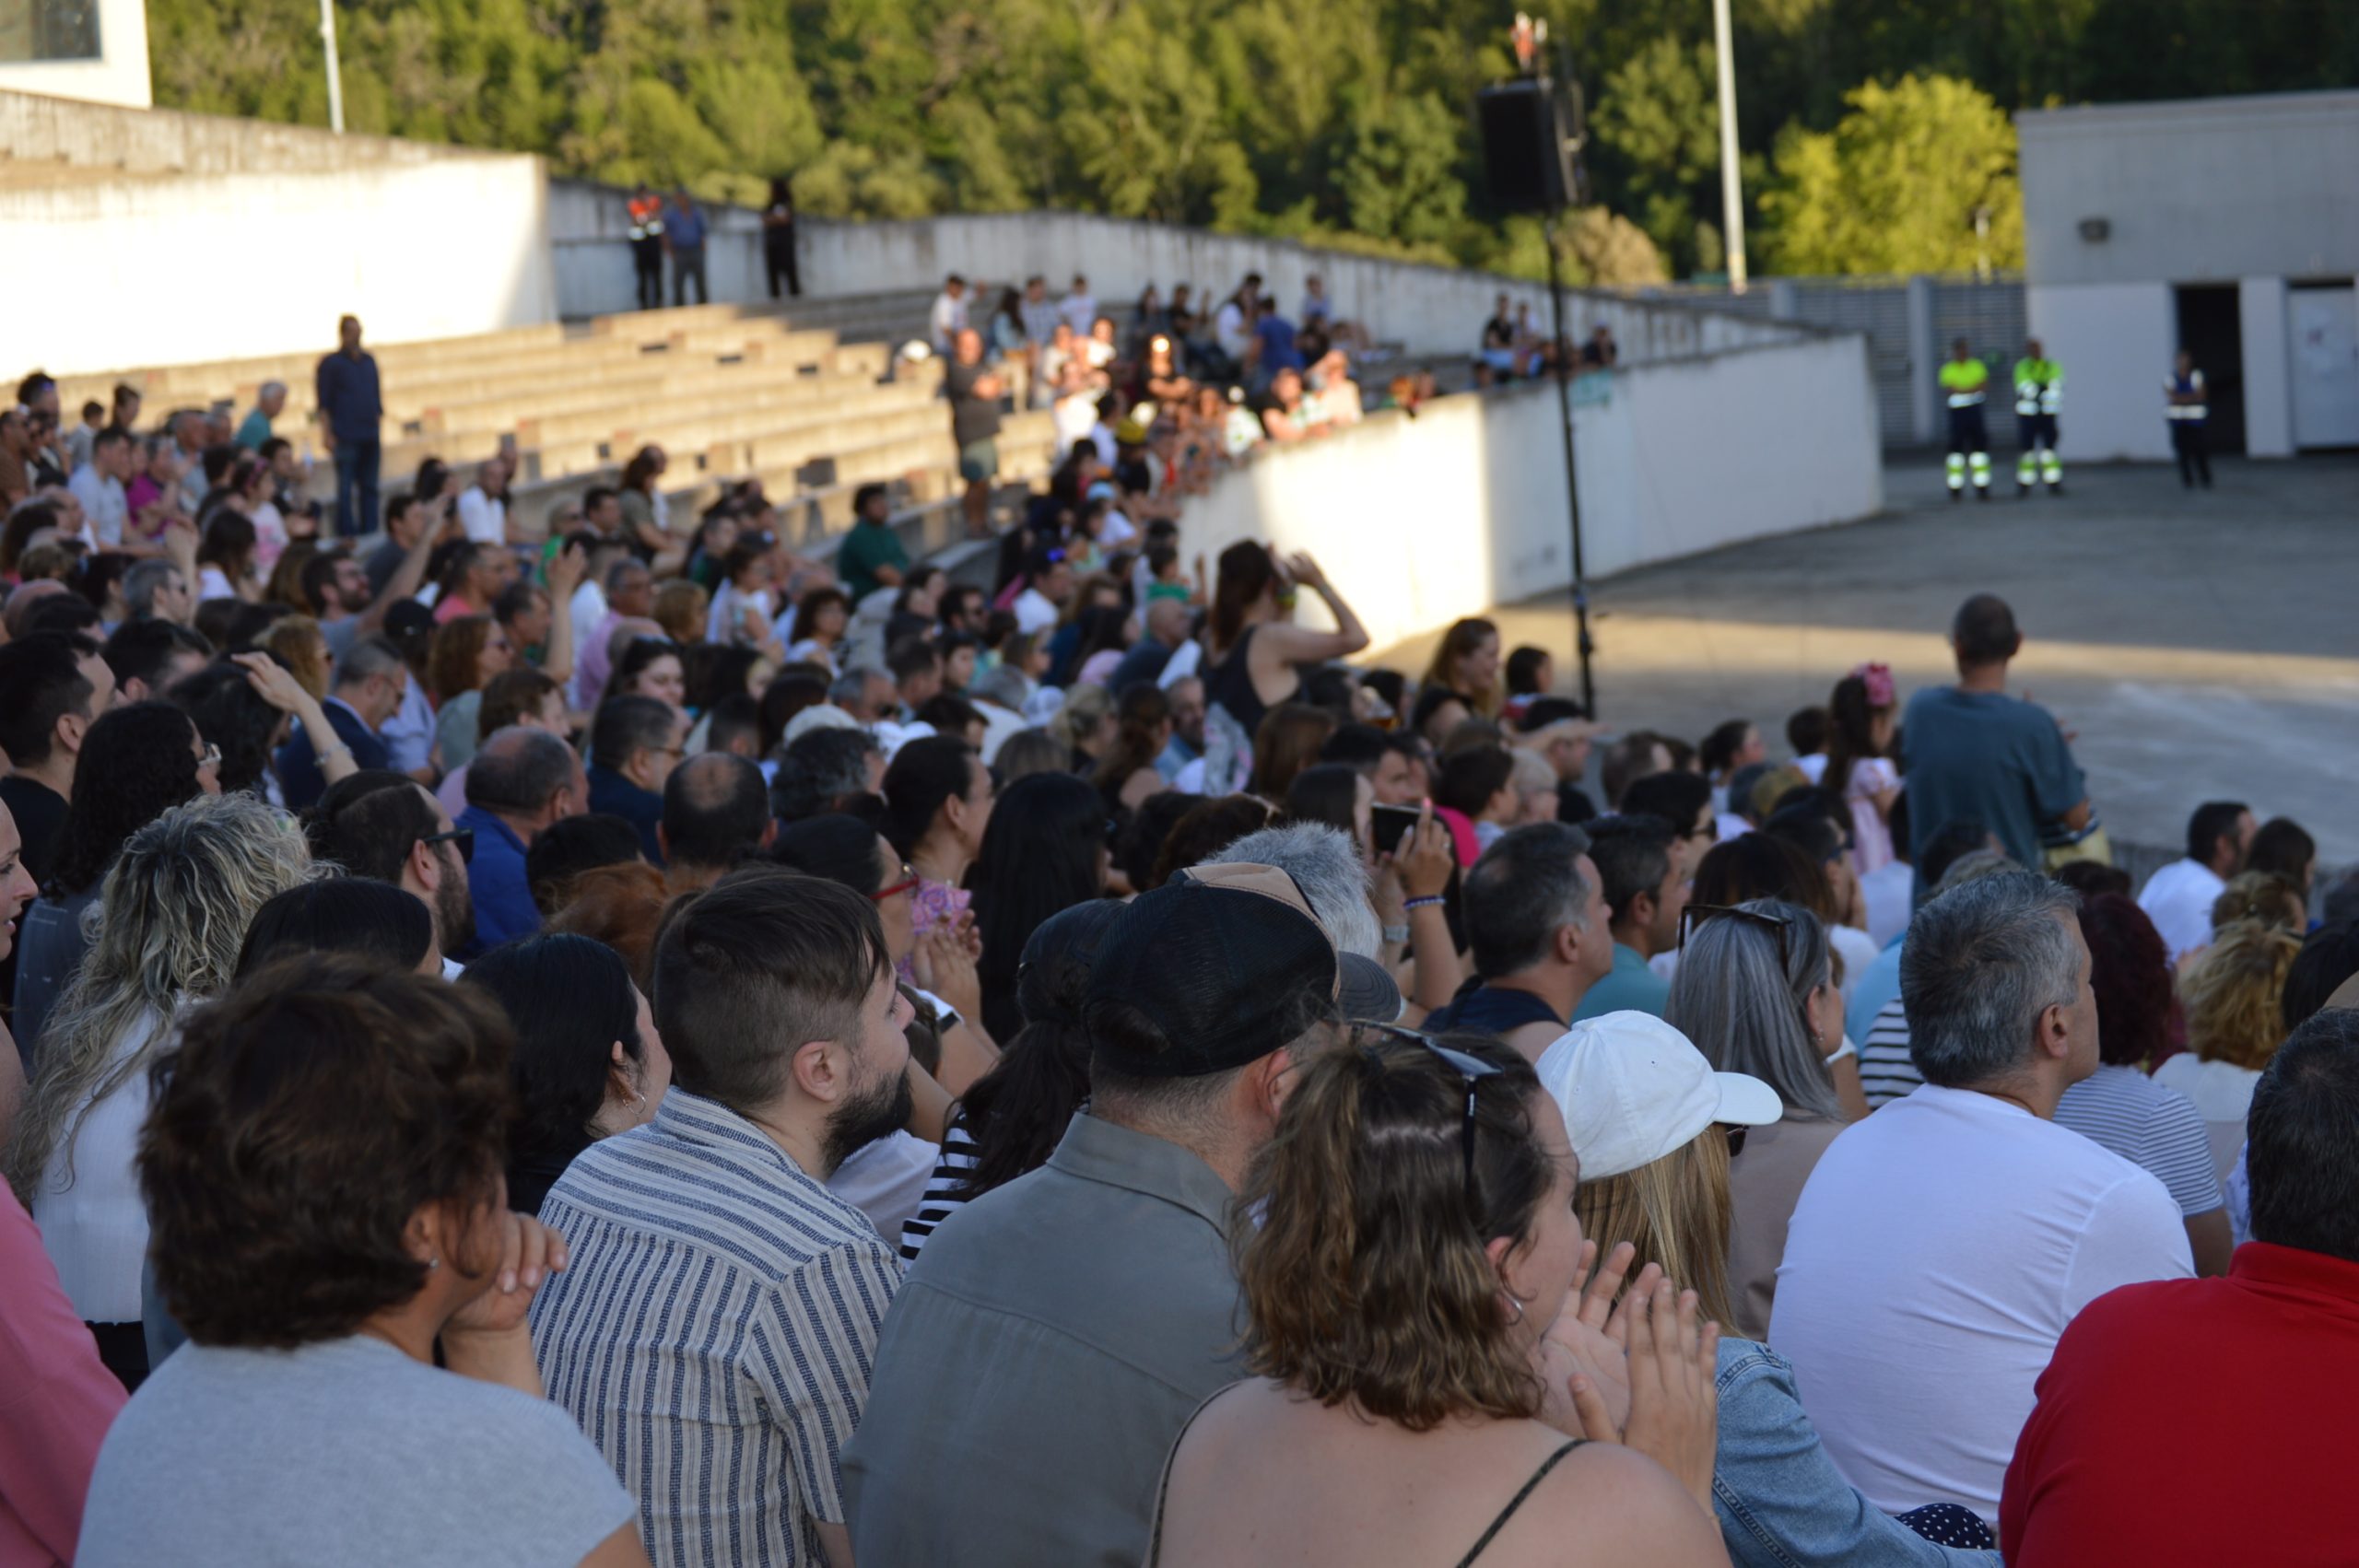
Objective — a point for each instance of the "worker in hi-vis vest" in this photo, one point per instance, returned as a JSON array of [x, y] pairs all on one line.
[[2039, 389], [2188, 407], [646, 210], [1963, 380]]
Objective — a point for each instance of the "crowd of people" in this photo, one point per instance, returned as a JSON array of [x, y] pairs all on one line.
[[659, 1048]]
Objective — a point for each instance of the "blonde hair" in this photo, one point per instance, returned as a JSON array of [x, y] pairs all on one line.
[[2234, 992], [297, 643], [171, 915], [680, 607], [1084, 713], [2263, 896], [1676, 1210]]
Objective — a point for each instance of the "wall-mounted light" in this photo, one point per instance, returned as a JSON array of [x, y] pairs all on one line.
[[2095, 231]]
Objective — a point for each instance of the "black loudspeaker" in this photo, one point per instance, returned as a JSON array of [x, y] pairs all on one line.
[[1525, 156]]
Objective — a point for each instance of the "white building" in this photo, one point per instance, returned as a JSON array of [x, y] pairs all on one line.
[[95, 50], [2227, 226]]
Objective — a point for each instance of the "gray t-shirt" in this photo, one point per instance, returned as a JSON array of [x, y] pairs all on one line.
[[345, 1452]]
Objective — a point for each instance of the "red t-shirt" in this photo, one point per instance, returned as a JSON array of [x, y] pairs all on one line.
[[2196, 1422]]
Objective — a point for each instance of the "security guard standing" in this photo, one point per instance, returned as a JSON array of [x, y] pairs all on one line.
[[1964, 379], [647, 246], [2189, 409], [2039, 389]]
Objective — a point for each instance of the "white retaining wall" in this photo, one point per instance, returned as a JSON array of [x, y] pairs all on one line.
[[1428, 307], [1419, 521]]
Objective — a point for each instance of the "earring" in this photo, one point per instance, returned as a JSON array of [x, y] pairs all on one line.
[[1513, 1301], [432, 1264]]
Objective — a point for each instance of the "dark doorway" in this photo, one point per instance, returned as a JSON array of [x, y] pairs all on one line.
[[2210, 329]]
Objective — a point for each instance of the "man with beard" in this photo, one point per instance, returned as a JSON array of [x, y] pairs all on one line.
[[715, 1327], [386, 827]]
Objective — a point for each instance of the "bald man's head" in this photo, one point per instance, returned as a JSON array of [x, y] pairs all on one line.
[[716, 809]]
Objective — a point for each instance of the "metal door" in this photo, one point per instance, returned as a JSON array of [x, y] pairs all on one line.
[[2323, 327]]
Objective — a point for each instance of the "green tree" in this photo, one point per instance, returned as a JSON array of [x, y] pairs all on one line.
[[1896, 186], [1658, 127]]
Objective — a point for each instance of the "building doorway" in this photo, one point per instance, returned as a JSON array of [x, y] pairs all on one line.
[[2322, 320], [2211, 330]]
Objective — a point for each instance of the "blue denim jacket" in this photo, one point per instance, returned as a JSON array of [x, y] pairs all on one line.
[[1780, 1501]]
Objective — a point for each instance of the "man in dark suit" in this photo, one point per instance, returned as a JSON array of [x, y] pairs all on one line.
[[371, 681]]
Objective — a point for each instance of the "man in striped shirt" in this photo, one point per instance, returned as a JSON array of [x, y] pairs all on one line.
[[717, 1329]]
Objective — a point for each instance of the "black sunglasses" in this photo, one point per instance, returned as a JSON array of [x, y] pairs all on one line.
[[1472, 1069], [463, 839], [1695, 914]]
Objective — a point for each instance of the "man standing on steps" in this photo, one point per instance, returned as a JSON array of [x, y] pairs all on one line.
[[351, 402], [2039, 391], [974, 390], [684, 229], [647, 246], [1964, 379]]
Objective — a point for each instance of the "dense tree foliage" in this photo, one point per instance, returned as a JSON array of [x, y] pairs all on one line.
[[1873, 130]]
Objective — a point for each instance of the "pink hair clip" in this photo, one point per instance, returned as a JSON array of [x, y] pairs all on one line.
[[1877, 678]]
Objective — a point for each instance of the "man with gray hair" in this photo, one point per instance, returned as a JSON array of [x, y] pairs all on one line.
[[1537, 924], [1943, 1245], [371, 682], [255, 428], [865, 693], [157, 589], [828, 769], [1327, 869]]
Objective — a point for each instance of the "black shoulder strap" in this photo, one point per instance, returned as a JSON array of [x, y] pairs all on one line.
[[1516, 1500]]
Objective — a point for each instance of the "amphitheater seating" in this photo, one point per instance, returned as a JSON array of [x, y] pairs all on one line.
[[809, 400]]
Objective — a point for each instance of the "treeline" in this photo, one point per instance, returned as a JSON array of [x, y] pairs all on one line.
[[1874, 130]]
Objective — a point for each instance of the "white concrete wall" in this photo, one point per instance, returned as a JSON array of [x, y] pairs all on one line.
[[1428, 307], [1422, 520], [2211, 189], [162, 272], [119, 76], [170, 238], [2269, 371], [2115, 341]]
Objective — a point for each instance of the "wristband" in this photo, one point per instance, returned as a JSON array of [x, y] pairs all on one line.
[[1421, 902], [1396, 934]]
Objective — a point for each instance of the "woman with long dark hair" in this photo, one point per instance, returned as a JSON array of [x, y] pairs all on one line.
[[1252, 647], [1466, 661], [588, 1063], [1860, 725], [1126, 775], [136, 764], [1010, 1120], [1045, 850]]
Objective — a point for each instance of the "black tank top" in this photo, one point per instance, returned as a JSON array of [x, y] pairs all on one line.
[[1230, 683]]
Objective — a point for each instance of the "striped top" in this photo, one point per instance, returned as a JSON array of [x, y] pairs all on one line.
[[1886, 1069], [943, 1197], [715, 1332], [2122, 1109]]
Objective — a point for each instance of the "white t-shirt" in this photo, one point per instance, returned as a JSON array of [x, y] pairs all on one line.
[[104, 505], [1938, 1251], [93, 1222], [1814, 766], [2221, 1092], [485, 518], [885, 1180], [2179, 899], [947, 320]]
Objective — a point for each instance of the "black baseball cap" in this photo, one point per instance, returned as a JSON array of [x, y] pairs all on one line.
[[1230, 964]]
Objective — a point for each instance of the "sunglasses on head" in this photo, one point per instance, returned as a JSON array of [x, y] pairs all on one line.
[[1695, 914], [1470, 1069]]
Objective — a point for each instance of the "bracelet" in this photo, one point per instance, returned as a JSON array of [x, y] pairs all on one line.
[[1396, 934], [1422, 902]]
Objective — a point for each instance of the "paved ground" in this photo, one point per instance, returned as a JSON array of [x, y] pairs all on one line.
[[2203, 644]]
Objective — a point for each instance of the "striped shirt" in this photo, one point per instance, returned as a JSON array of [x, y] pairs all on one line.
[[715, 1332], [2122, 1109], [944, 1196], [1886, 1069]]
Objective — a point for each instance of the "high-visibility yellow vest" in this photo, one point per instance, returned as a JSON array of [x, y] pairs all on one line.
[[2039, 386], [1963, 380]]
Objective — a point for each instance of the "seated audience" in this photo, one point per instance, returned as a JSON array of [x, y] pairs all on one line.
[[2265, 1362], [589, 1062], [2179, 898], [1637, 1094], [775, 998], [342, 914], [1645, 886], [521, 782], [716, 811], [1943, 1244], [1536, 925], [635, 742], [385, 826], [1430, 1419], [1044, 849], [2117, 1107], [1756, 995], [2234, 992], [360, 1387]]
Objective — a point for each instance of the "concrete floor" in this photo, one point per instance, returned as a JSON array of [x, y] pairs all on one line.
[[2205, 645]]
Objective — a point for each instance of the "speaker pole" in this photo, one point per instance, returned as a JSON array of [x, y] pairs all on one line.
[[1563, 372]]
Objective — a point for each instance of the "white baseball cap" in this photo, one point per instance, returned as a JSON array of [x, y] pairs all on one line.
[[1634, 1089]]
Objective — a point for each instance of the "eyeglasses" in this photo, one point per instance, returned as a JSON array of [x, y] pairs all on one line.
[[1736, 1140], [1709, 831], [212, 758], [1696, 914], [1474, 1070], [463, 839], [908, 884]]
